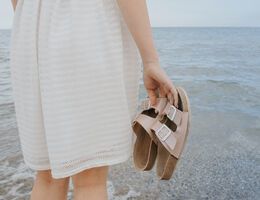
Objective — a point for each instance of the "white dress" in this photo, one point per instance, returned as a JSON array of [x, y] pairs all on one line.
[[75, 72]]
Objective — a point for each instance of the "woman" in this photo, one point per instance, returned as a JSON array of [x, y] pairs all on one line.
[[75, 69]]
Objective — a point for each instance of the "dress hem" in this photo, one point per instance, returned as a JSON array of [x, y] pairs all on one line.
[[83, 167]]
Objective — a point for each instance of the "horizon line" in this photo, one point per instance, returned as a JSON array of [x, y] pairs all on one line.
[[186, 27]]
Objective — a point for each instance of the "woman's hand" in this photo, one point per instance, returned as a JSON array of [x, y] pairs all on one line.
[[135, 13], [158, 84]]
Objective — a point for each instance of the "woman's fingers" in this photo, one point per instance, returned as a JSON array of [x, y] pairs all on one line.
[[152, 96], [174, 92], [162, 92], [171, 92], [170, 97], [158, 84]]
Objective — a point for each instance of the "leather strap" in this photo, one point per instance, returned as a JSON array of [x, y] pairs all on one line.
[[159, 105], [173, 113], [173, 141], [146, 122]]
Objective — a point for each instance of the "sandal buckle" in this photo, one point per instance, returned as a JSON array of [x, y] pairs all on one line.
[[146, 104], [163, 132], [171, 112]]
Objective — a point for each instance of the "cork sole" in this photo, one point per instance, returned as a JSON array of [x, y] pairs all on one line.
[[166, 163], [145, 149]]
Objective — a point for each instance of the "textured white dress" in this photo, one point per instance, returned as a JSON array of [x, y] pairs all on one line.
[[75, 73]]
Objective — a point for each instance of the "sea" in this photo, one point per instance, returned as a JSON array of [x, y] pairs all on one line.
[[220, 69]]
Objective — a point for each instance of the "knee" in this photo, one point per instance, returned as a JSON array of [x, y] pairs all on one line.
[[45, 177], [93, 177]]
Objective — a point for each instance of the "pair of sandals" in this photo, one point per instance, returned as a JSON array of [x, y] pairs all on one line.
[[161, 131]]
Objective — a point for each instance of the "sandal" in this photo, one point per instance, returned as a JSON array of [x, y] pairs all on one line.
[[171, 131], [145, 147]]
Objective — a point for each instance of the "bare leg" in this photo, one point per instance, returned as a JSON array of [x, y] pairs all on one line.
[[45, 187], [91, 184]]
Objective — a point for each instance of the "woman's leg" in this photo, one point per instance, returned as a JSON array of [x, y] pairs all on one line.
[[45, 187], [91, 184]]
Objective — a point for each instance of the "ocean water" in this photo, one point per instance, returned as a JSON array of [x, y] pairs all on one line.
[[220, 69], [220, 64]]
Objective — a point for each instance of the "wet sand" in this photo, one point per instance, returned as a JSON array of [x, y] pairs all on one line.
[[220, 161]]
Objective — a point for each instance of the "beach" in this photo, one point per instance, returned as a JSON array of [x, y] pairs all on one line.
[[220, 70]]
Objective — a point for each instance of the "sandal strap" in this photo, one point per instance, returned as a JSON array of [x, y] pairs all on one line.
[[146, 122], [159, 105], [173, 141], [165, 135], [173, 113]]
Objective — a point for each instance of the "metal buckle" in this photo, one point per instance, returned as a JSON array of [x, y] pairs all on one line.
[[163, 132], [171, 112], [145, 104]]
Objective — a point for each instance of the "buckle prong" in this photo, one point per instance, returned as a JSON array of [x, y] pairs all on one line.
[[149, 104]]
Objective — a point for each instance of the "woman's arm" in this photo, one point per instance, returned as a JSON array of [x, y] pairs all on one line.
[[156, 81], [136, 16], [14, 2]]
